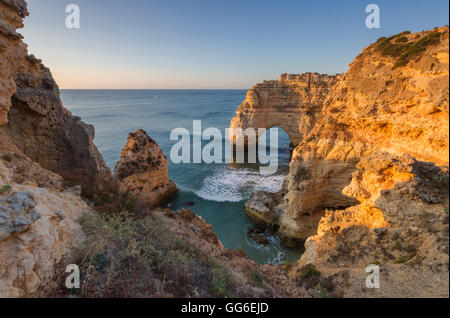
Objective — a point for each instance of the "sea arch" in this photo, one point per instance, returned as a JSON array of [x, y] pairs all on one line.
[[291, 103]]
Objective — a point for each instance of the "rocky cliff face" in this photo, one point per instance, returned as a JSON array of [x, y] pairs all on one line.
[[375, 107], [362, 165], [33, 122], [43, 150], [142, 170]]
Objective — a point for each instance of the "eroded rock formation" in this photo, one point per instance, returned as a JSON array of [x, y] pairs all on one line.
[[143, 170], [371, 167], [34, 123], [373, 108], [43, 151], [400, 225], [291, 103]]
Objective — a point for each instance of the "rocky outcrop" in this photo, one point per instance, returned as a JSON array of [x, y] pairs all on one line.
[[394, 99], [33, 122], [371, 172], [143, 170], [374, 107], [290, 103], [400, 225], [38, 228]]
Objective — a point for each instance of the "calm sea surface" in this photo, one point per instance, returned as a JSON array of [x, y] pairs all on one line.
[[218, 191]]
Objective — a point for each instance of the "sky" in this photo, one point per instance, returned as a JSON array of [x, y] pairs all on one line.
[[210, 44]]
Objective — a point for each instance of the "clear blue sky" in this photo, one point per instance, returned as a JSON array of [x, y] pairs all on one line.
[[210, 43]]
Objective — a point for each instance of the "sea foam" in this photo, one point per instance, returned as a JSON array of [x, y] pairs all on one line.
[[228, 184]]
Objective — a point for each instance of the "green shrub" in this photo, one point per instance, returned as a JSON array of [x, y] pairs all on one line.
[[221, 280], [219, 288], [398, 47], [417, 48], [402, 39], [322, 292], [256, 279], [309, 270], [6, 189], [400, 259]]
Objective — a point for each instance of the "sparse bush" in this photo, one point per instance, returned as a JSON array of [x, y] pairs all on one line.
[[400, 259], [6, 189], [309, 270], [402, 39], [397, 246], [322, 292], [424, 214], [416, 48], [125, 256], [186, 215], [222, 280], [219, 288], [398, 47], [256, 279]]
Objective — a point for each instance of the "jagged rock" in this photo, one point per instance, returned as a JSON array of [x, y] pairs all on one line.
[[143, 170]]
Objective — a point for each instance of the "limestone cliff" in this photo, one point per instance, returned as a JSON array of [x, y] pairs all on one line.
[[34, 125], [375, 107], [361, 168], [291, 103], [142, 170], [38, 229], [44, 151]]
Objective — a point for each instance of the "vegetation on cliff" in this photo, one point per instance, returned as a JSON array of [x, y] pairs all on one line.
[[402, 49]]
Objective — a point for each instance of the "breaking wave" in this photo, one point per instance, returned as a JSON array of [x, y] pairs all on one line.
[[228, 184]]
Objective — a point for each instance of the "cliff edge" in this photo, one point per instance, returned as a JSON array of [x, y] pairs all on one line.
[[372, 159]]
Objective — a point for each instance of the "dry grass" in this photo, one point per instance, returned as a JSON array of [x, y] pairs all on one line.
[[126, 256]]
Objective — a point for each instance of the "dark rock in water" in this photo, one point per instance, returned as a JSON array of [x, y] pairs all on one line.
[[191, 203], [261, 239], [258, 236]]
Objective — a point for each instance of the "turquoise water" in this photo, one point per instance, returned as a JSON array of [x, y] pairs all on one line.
[[218, 191]]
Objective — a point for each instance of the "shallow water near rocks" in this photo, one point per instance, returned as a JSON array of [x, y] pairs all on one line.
[[217, 192]]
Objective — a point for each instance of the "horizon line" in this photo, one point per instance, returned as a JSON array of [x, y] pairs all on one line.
[[150, 89]]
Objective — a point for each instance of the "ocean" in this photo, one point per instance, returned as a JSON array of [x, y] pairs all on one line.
[[218, 191]]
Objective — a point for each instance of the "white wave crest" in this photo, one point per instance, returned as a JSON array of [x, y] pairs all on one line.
[[228, 184]]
